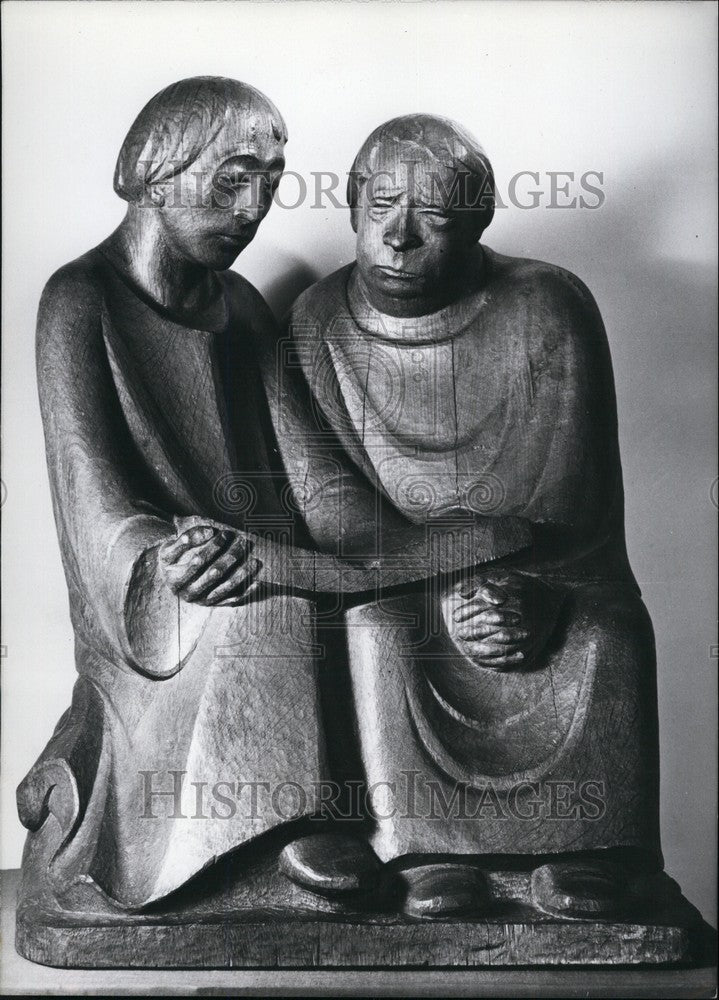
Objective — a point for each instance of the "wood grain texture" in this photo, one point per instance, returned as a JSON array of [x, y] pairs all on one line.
[[387, 543], [464, 382], [250, 916], [21, 977]]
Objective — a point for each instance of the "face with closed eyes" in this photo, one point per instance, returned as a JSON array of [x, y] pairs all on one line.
[[412, 235], [211, 211]]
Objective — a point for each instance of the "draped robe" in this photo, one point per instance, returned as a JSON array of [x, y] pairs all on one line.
[[148, 420], [150, 425], [498, 407], [359, 485]]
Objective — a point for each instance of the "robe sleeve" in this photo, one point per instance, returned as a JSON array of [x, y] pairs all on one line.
[[560, 464], [107, 529]]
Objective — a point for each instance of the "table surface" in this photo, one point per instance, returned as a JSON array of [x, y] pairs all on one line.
[[18, 976]]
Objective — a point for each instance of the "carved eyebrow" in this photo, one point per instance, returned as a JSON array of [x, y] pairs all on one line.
[[390, 197]]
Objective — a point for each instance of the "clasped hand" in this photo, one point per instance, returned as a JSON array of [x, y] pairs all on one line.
[[501, 620], [210, 566]]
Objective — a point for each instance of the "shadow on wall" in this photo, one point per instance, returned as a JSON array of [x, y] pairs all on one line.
[[658, 299], [284, 289], [659, 309]]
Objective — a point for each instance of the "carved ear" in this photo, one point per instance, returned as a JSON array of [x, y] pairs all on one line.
[[353, 218], [157, 196]]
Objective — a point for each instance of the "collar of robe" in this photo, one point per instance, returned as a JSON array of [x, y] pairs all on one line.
[[432, 328]]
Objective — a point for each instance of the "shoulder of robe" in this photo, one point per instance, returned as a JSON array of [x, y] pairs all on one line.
[[560, 309], [72, 301], [250, 305], [322, 302], [247, 298]]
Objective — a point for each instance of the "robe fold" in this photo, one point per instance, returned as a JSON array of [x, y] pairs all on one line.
[[499, 407], [147, 420], [368, 460]]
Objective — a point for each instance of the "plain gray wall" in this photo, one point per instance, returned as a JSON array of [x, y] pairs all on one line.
[[626, 89]]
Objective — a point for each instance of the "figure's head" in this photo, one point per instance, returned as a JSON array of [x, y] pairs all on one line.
[[206, 154], [421, 193]]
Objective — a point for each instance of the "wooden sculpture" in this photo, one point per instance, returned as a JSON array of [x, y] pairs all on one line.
[[381, 553]]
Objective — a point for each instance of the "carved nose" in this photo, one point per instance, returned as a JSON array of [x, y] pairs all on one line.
[[253, 204], [250, 213], [401, 235]]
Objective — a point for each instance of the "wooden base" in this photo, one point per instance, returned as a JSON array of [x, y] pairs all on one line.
[[235, 918], [308, 943]]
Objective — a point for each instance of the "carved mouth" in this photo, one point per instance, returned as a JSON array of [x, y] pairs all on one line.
[[394, 272], [234, 240]]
